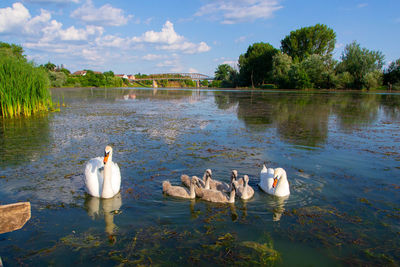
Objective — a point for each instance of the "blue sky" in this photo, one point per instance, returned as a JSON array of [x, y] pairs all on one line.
[[158, 36]]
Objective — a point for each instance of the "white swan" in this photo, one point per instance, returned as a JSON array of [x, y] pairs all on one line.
[[274, 182], [102, 176]]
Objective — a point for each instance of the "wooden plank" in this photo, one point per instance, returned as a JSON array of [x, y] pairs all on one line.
[[14, 216]]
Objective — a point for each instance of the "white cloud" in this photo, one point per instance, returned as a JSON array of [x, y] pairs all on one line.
[[187, 47], [46, 35], [241, 39], [232, 63], [152, 57], [105, 15], [52, 1], [112, 41], [14, 17], [47, 38], [148, 21], [361, 5], [167, 35], [73, 34], [193, 70], [168, 39], [236, 11], [169, 63], [92, 55]]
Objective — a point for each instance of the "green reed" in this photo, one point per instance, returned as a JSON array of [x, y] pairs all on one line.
[[24, 88]]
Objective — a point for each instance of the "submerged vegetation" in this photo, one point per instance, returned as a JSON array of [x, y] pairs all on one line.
[[24, 88]]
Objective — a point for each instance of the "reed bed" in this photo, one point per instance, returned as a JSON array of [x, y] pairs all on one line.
[[24, 88]]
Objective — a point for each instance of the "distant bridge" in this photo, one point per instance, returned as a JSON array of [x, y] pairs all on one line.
[[175, 76]]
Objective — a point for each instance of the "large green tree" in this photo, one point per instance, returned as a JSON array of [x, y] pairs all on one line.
[[223, 72], [301, 43], [281, 64], [320, 71], [255, 65], [227, 75], [359, 62]]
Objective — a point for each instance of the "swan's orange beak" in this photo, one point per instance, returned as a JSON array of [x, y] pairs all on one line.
[[275, 182], [106, 157]]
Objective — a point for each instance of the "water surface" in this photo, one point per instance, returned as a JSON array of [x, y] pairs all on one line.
[[340, 149]]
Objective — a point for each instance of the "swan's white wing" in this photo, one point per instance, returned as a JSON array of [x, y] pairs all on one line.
[[115, 178], [267, 180], [282, 188], [94, 176]]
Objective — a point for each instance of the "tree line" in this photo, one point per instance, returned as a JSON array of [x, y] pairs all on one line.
[[305, 61], [62, 77]]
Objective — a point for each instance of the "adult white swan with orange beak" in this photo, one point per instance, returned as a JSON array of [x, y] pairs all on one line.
[[102, 176], [274, 182]]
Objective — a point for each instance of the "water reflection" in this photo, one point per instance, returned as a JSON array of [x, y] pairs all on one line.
[[23, 139], [98, 208], [336, 196], [303, 118], [354, 110], [278, 207]]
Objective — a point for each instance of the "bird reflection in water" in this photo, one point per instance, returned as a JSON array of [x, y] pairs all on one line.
[[107, 208], [195, 213], [130, 96], [278, 207]]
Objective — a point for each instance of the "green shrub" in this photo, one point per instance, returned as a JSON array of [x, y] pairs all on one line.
[[57, 79]]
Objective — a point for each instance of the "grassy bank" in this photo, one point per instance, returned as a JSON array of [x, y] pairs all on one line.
[[24, 88]]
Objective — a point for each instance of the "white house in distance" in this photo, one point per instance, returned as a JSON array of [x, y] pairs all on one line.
[[129, 77], [122, 76], [83, 72]]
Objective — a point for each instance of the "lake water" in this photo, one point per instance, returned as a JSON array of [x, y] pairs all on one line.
[[341, 151]]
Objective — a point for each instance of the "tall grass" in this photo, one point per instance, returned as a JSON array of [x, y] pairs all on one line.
[[24, 88]]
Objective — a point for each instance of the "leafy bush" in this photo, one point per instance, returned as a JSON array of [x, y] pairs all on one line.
[[57, 79], [345, 80]]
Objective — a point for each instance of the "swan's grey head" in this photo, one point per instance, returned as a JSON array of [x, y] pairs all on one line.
[[194, 180], [208, 173], [234, 175]]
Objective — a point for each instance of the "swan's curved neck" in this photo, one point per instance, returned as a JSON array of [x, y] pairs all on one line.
[[282, 180], [192, 192], [107, 189], [232, 196], [207, 182]]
